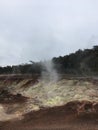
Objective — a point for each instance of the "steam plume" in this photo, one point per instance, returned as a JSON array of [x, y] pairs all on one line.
[[49, 73]]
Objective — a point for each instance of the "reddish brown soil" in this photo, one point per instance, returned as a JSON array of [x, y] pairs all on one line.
[[57, 118], [72, 116], [30, 82], [8, 98]]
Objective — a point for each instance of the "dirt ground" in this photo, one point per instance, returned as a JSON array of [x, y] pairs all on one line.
[[26, 103], [57, 118]]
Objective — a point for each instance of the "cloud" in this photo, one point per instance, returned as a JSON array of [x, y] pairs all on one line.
[[41, 29]]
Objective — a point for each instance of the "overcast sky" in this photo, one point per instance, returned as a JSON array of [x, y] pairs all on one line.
[[41, 29]]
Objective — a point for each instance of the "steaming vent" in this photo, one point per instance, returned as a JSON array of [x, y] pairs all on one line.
[[49, 73]]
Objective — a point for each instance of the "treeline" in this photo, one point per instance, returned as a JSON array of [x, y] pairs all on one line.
[[82, 62], [33, 68]]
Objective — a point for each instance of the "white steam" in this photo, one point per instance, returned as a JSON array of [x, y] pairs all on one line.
[[49, 73]]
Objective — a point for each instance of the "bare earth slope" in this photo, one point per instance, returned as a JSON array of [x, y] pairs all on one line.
[[29, 103]]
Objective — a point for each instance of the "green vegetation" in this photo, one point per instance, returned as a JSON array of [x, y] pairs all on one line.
[[82, 62]]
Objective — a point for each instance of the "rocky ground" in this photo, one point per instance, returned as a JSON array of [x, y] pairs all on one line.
[[30, 103]]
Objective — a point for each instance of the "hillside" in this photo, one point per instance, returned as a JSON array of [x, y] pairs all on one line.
[[32, 103], [82, 62]]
